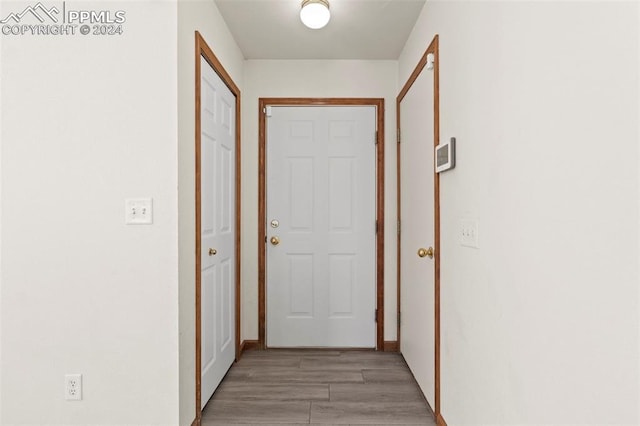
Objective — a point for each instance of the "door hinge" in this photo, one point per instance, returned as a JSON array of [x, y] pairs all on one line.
[[265, 239], [398, 135], [376, 316], [398, 227], [376, 141]]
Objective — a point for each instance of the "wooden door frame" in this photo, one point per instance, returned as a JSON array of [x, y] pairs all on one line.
[[203, 50], [432, 49], [262, 202]]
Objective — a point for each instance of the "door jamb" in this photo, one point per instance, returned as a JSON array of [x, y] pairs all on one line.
[[435, 50], [262, 212], [202, 49]]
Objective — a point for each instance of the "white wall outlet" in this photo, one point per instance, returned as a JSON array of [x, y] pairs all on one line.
[[469, 233], [73, 387], [138, 211]]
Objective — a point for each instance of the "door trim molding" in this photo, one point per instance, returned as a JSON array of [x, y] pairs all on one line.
[[262, 202], [435, 50], [203, 50]]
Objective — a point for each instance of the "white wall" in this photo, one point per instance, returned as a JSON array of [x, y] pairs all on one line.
[[88, 121], [341, 78], [539, 325], [204, 17]]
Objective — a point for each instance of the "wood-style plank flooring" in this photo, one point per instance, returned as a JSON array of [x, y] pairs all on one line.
[[319, 387]]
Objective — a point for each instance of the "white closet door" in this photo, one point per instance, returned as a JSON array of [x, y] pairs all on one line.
[[417, 274], [217, 229]]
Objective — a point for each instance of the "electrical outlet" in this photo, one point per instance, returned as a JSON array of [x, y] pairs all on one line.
[[73, 387]]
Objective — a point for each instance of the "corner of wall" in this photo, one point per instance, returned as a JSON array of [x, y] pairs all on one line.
[[202, 16]]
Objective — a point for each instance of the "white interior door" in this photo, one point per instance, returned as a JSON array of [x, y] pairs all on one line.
[[321, 286], [217, 156], [417, 274]]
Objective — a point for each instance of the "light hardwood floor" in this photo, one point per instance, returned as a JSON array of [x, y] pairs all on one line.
[[319, 387]]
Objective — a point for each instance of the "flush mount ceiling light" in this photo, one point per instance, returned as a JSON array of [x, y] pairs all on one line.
[[315, 13]]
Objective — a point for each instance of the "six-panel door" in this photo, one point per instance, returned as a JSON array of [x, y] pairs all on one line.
[[217, 156], [321, 182]]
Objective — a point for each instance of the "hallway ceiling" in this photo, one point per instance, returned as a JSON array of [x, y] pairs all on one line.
[[359, 29]]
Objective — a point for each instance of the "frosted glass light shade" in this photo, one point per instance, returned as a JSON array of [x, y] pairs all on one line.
[[315, 13]]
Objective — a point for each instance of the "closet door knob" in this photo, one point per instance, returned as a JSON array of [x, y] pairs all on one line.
[[422, 252]]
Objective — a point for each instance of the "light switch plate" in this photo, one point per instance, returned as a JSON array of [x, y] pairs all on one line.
[[469, 233], [138, 211]]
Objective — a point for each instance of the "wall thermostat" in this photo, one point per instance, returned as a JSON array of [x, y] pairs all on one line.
[[446, 155]]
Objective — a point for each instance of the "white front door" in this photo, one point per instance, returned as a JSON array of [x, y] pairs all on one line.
[[217, 180], [417, 274], [321, 182]]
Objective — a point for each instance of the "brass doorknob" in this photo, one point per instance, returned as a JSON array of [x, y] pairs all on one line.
[[213, 252], [275, 241], [426, 252]]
